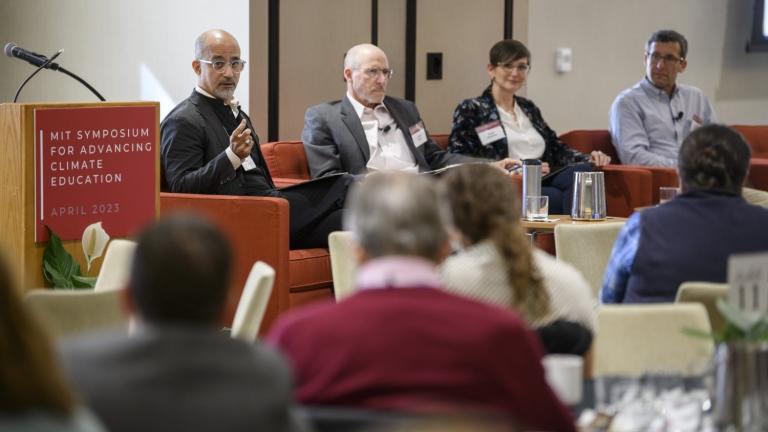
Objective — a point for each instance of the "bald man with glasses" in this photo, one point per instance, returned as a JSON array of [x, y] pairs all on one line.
[[368, 130], [650, 120], [209, 146]]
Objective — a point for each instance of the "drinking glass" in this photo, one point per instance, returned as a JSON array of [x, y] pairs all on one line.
[[536, 208], [667, 193]]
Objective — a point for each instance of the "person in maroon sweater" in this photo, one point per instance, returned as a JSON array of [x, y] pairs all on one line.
[[401, 343]]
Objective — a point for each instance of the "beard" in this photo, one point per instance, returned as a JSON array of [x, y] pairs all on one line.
[[224, 93]]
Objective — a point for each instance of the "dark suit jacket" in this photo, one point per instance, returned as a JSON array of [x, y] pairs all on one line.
[[335, 141], [193, 141], [180, 379]]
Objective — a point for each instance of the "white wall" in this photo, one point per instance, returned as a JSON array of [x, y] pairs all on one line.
[[127, 50], [107, 41], [607, 38]]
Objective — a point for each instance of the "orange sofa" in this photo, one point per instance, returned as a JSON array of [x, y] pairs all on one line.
[[757, 137], [626, 188], [587, 141]]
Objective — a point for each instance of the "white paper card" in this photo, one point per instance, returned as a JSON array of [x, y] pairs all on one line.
[[748, 282], [248, 164], [418, 134], [490, 132]]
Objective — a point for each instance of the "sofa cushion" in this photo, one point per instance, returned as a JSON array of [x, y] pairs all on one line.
[[286, 159]]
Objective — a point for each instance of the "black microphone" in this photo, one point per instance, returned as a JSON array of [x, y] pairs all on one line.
[[678, 117], [385, 129], [12, 50]]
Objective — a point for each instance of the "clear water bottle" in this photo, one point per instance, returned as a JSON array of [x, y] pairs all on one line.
[[531, 180]]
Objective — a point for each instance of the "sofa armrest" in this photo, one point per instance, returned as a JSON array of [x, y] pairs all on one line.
[[257, 229], [758, 173], [660, 177], [626, 189]]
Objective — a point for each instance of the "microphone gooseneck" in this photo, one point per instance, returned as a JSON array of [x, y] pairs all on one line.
[[42, 62]]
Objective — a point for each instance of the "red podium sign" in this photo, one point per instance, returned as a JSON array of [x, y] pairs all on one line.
[[94, 164]]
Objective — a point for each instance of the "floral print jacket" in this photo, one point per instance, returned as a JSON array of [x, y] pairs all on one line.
[[475, 112]]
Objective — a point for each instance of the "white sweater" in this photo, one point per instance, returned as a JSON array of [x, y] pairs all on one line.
[[478, 272]]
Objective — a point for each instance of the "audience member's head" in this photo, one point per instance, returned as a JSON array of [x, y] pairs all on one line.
[[181, 272], [30, 378], [367, 73], [484, 206], [713, 157], [396, 213], [217, 63]]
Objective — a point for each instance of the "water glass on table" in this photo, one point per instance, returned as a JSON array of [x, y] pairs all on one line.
[[536, 208], [667, 193]]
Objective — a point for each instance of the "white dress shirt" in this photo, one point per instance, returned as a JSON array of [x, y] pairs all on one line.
[[386, 142], [522, 138]]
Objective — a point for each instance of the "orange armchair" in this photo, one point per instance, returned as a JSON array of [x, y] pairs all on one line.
[[757, 137], [258, 229], [587, 141]]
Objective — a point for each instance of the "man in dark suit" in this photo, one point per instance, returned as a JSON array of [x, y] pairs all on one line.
[[179, 372], [209, 146], [368, 130]]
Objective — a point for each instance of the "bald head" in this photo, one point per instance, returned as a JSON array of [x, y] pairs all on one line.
[[358, 53], [212, 37], [367, 73], [217, 63]]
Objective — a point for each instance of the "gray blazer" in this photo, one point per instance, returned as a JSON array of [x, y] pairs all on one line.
[[335, 142], [180, 379]]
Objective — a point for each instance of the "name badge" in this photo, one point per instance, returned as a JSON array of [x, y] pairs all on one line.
[[490, 132], [248, 164], [418, 134], [696, 121]]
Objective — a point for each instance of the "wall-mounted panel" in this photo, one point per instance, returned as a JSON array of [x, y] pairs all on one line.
[[464, 32]]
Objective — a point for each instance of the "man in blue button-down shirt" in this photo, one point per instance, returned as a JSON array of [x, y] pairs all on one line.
[[650, 120]]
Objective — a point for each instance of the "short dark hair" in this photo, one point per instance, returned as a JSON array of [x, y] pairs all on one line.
[[664, 36], [508, 50], [714, 157], [181, 271]]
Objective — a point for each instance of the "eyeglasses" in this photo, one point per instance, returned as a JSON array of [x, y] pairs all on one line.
[[509, 67], [668, 59], [375, 72], [218, 65]]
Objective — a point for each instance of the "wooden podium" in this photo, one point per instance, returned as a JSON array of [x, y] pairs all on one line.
[[95, 157]]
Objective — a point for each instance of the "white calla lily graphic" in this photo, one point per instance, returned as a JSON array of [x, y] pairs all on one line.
[[95, 240]]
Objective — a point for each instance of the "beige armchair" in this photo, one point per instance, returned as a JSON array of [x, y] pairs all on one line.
[[343, 263], [634, 339], [253, 302], [706, 293], [68, 312], [588, 248]]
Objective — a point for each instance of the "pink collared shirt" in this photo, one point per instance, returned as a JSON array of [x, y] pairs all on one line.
[[397, 271]]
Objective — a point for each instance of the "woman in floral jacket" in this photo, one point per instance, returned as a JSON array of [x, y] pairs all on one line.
[[499, 124]]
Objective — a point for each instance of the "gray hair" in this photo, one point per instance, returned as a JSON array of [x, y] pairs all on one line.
[[396, 213]]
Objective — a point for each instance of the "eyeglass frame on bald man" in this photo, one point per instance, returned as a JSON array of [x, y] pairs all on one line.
[[236, 65], [375, 72]]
